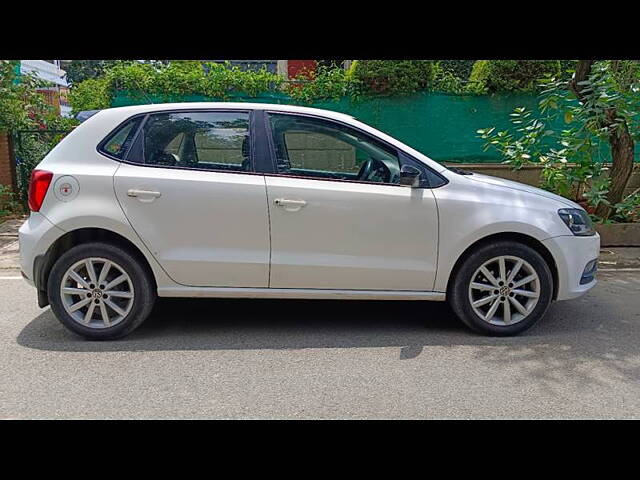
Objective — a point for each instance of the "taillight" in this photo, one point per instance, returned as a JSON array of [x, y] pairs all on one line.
[[38, 186]]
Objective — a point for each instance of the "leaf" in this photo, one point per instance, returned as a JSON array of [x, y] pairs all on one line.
[[568, 116]]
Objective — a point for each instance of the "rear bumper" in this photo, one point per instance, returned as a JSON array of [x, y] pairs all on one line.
[[572, 255], [35, 236]]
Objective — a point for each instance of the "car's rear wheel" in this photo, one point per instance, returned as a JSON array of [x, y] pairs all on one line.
[[502, 289], [100, 291]]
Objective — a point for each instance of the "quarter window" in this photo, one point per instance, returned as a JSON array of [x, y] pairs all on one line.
[[310, 147], [200, 140], [118, 144]]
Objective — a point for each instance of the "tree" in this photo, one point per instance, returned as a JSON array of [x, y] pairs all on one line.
[[19, 100], [611, 117], [80, 70], [597, 107]]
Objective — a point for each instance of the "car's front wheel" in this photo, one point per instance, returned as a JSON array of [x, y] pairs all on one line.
[[100, 291], [502, 288]]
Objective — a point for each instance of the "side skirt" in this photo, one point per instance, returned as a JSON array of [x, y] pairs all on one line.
[[308, 293]]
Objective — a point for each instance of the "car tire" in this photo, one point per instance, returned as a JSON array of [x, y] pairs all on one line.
[[125, 295], [489, 300]]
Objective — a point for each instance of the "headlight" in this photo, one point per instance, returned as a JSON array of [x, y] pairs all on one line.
[[577, 220]]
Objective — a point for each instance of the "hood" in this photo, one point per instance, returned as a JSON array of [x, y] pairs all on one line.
[[500, 182]]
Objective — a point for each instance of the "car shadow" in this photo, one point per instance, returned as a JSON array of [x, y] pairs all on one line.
[[231, 324], [564, 347]]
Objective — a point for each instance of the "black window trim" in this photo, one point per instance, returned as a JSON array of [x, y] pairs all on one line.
[[100, 147], [260, 135], [401, 154], [146, 115]]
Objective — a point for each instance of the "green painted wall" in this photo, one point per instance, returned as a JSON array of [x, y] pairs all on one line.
[[439, 125]]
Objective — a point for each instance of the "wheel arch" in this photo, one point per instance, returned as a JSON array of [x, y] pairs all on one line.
[[44, 263], [525, 239]]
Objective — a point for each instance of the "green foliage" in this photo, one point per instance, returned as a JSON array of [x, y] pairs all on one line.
[[21, 106], [81, 70], [627, 211], [392, 77], [513, 75], [325, 83], [608, 88], [191, 77], [8, 204], [459, 68], [31, 148], [567, 67], [569, 155], [445, 81], [173, 80], [29, 153], [625, 73], [91, 94]]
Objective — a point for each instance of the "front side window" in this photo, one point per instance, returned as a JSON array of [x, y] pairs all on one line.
[[118, 144], [311, 147], [200, 140]]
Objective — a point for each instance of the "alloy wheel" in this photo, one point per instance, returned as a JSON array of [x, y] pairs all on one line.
[[97, 292], [504, 290]]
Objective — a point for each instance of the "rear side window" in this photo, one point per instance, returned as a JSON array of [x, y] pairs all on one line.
[[118, 144], [199, 140]]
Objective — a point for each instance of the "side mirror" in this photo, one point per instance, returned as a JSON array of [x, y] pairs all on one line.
[[409, 176]]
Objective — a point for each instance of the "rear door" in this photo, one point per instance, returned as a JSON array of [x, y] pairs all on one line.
[[189, 189]]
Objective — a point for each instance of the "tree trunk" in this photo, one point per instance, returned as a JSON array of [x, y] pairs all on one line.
[[622, 145]]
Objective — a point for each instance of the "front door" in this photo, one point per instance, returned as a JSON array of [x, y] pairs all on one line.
[[339, 217]]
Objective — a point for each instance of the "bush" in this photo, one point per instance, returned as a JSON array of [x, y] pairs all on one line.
[[567, 67], [169, 81], [91, 94], [81, 70], [445, 81], [325, 83], [459, 68], [31, 149], [192, 78], [512, 75], [392, 76], [8, 205], [21, 105], [569, 152]]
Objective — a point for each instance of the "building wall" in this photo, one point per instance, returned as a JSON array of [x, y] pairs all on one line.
[[7, 172], [50, 71], [321, 152], [296, 67]]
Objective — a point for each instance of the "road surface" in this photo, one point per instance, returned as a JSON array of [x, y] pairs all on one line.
[[325, 359]]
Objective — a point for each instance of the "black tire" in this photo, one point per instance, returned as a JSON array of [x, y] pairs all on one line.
[[144, 288], [458, 294]]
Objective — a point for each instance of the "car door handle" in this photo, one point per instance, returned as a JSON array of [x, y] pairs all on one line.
[[285, 202], [142, 193]]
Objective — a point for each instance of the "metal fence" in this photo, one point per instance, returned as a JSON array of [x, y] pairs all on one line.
[[29, 148]]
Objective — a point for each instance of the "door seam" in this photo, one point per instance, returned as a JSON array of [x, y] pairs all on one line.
[[266, 192]]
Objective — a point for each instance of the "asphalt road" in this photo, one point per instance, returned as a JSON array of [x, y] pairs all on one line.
[[325, 359]]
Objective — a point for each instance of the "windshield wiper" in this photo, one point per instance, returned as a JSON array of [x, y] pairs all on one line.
[[460, 171]]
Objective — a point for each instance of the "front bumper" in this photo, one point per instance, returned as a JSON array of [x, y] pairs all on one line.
[[572, 255]]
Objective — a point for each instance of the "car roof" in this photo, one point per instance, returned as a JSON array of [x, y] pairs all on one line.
[[159, 107]]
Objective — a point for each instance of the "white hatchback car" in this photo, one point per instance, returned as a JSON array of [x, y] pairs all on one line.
[[255, 200]]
